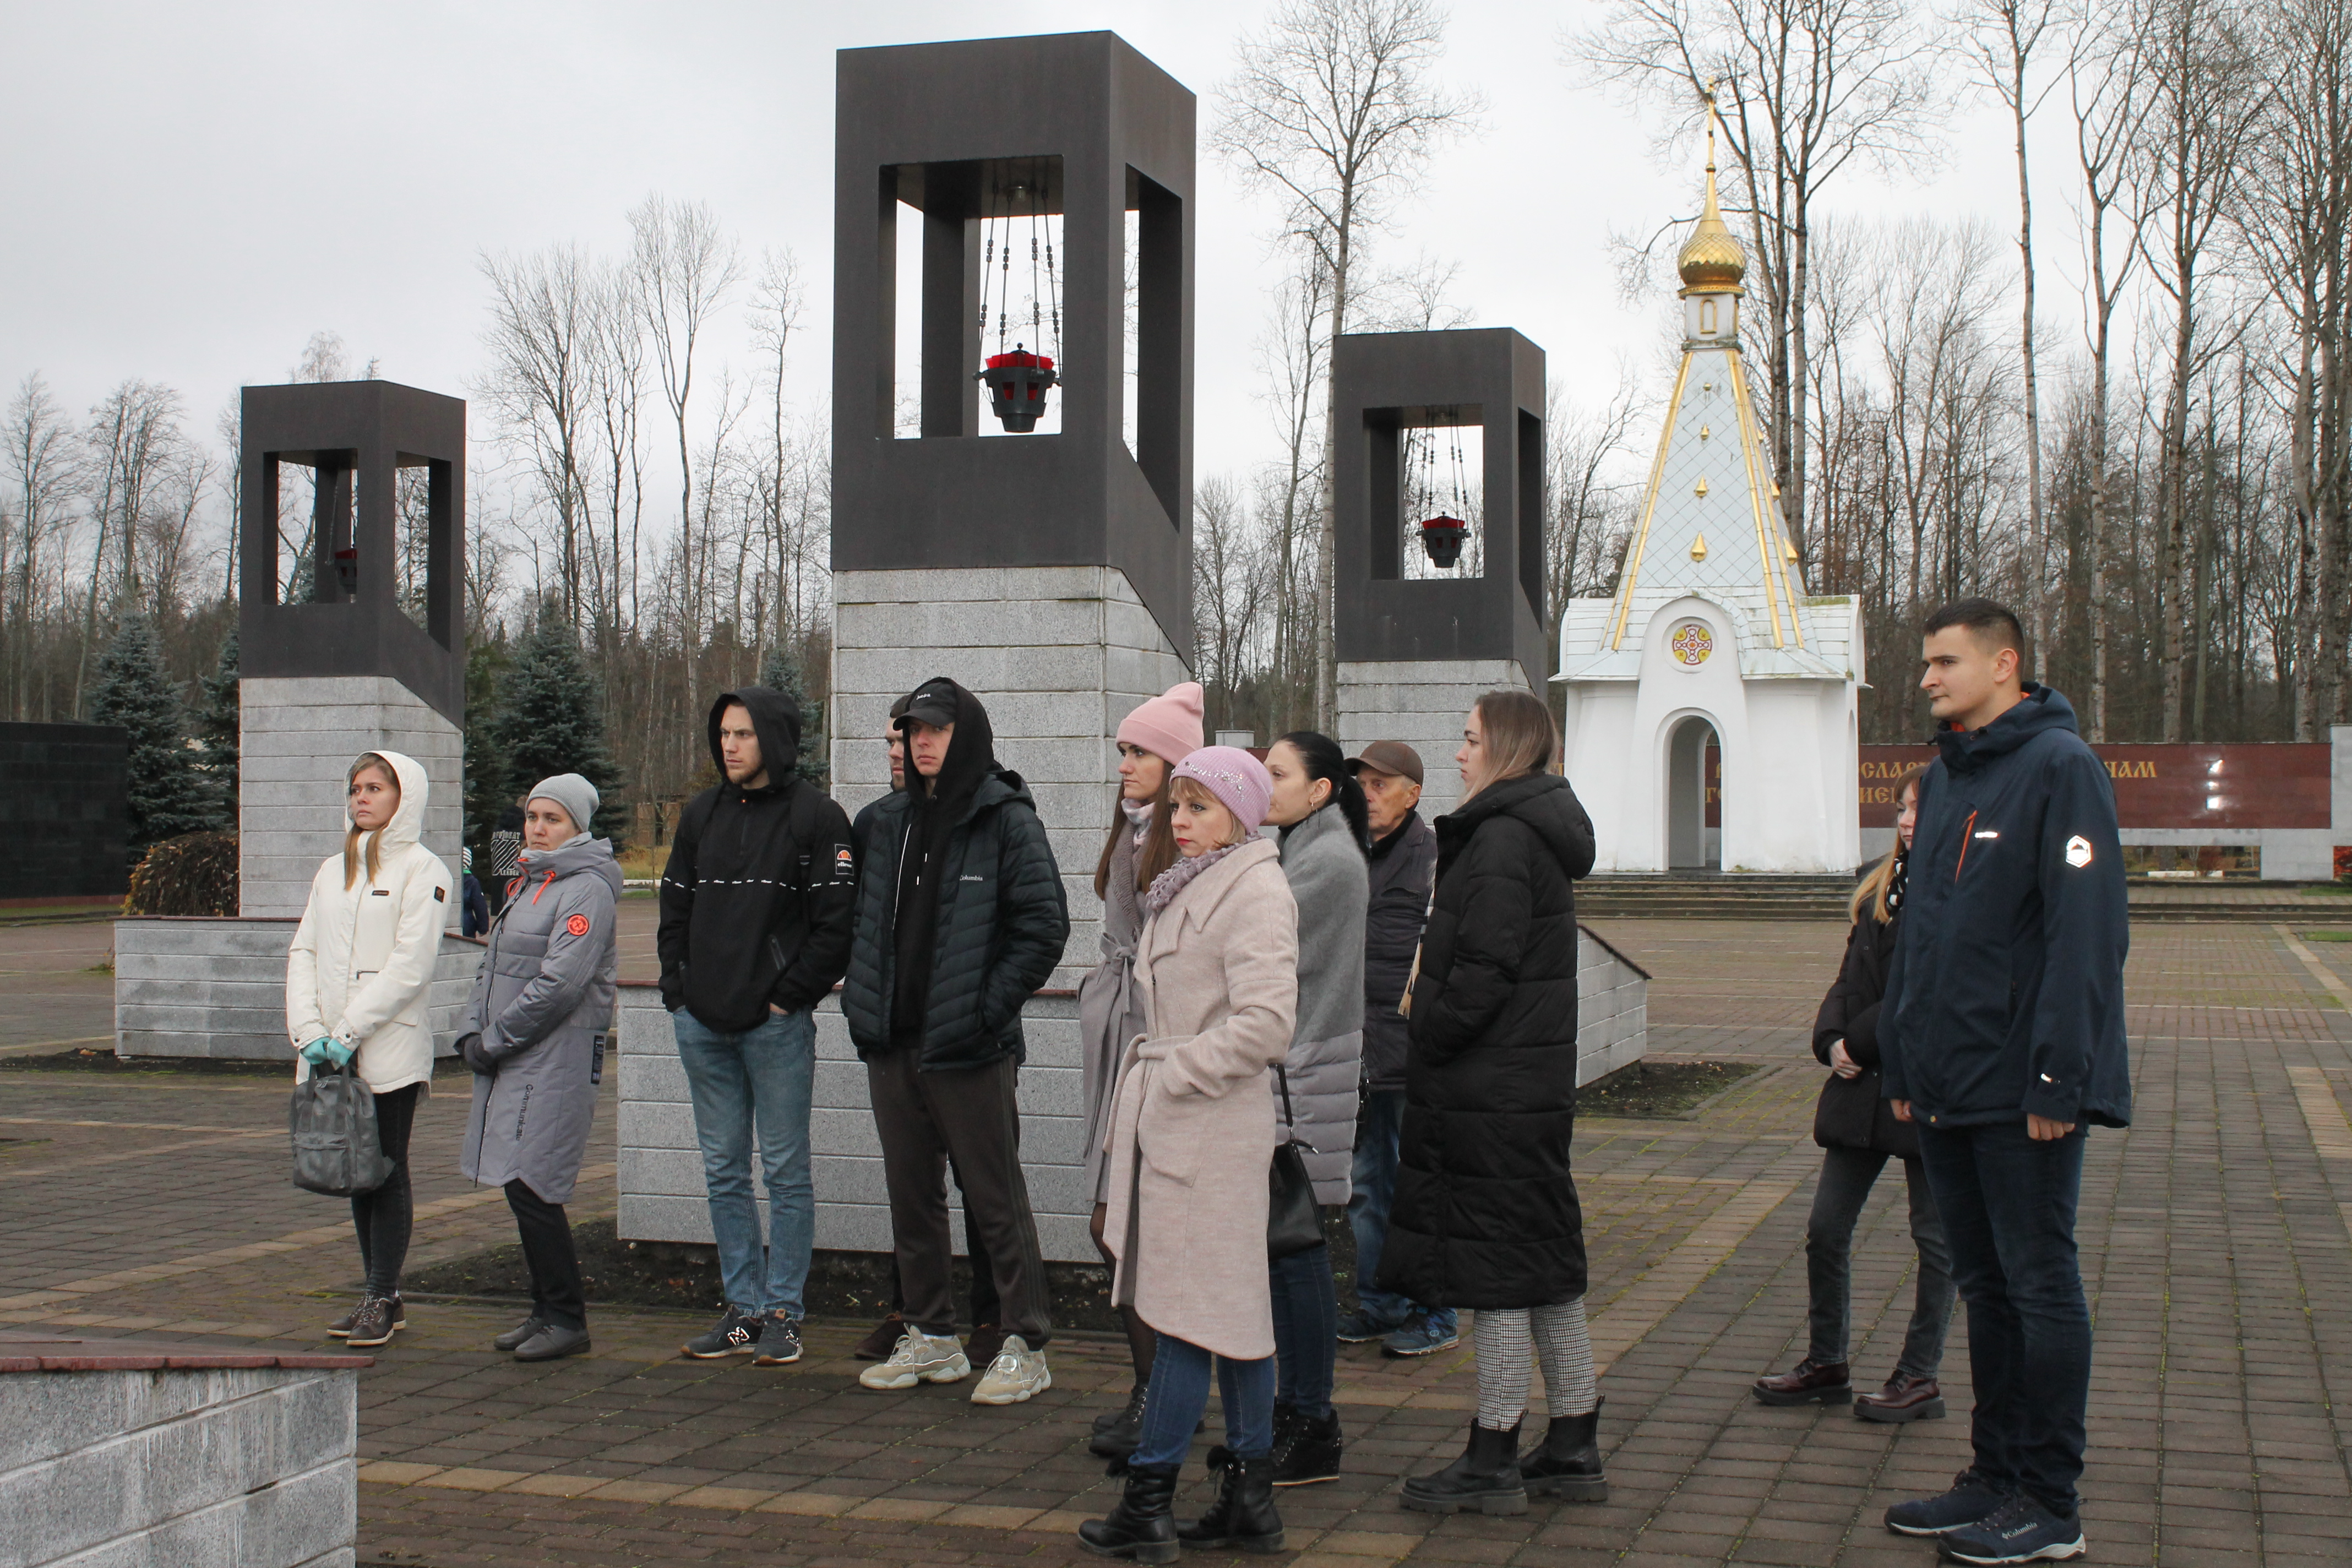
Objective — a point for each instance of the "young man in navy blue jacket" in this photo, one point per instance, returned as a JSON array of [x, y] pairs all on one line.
[[2001, 1037]]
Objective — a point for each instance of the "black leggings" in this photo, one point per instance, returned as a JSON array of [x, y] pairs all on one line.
[[555, 1292], [383, 1216]]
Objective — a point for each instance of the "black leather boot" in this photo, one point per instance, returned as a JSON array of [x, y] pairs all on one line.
[[1117, 1432], [1142, 1528], [1568, 1464], [1484, 1479], [1243, 1516]]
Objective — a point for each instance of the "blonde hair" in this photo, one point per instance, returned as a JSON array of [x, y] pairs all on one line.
[[351, 839], [1519, 734], [1880, 879], [1192, 792]]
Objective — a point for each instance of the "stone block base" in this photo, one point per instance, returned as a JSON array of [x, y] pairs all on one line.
[[1059, 655], [1613, 1009], [1422, 703], [192, 987]]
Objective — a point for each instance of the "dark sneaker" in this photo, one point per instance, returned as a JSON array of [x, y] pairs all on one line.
[[522, 1333], [553, 1342], [1971, 1499], [1905, 1398], [1358, 1327], [1809, 1383], [342, 1327], [1310, 1451], [877, 1345], [779, 1342], [2020, 1530], [737, 1333], [1425, 1336], [374, 1323]]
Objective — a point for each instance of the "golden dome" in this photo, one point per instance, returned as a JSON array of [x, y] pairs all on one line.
[[1712, 259]]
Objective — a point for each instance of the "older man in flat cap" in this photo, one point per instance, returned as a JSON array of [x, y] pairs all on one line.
[[1404, 864]]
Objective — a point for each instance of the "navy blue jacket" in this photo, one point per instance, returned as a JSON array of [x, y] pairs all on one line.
[[2005, 995]]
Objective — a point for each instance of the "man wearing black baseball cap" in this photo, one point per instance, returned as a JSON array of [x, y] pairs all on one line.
[[1403, 866], [961, 916]]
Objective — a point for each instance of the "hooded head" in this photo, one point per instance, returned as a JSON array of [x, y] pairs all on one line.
[[776, 718], [407, 823], [972, 749]]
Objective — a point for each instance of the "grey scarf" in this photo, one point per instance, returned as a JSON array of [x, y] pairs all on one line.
[[1177, 877]]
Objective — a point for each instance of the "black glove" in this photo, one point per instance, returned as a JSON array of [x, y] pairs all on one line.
[[477, 1054]]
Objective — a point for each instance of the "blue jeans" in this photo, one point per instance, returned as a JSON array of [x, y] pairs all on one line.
[[762, 1080], [1306, 1329], [2008, 1205], [1380, 1127], [1179, 1393]]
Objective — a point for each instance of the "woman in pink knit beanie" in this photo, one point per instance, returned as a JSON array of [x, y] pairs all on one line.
[[1151, 740]]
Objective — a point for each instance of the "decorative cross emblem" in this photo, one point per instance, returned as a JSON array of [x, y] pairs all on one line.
[[1692, 643]]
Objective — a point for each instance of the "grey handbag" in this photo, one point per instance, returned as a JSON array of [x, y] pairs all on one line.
[[336, 1150]]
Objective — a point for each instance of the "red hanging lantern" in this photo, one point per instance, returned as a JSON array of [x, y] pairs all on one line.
[[1442, 537], [1016, 386]]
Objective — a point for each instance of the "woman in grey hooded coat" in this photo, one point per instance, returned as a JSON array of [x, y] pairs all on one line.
[[534, 1033]]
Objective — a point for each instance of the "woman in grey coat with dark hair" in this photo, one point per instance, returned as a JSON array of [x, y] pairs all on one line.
[[534, 1035], [1319, 807]]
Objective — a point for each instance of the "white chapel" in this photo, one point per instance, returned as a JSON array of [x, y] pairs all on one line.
[[1711, 643]]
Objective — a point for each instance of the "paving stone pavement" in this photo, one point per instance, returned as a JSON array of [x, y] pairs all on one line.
[[2214, 1237]]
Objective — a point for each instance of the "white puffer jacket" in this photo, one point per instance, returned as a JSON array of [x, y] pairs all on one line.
[[364, 956]]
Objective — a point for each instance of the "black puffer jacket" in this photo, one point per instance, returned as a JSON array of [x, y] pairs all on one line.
[[1853, 1113], [1402, 867], [1487, 1213], [756, 897], [1003, 924]]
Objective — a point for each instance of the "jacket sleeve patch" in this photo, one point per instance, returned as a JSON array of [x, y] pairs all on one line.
[[577, 925], [2078, 852], [440, 895], [844, 864]]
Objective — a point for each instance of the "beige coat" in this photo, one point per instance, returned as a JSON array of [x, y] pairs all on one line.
[[1191, 1134]]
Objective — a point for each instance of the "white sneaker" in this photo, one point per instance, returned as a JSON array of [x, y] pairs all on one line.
[[919, 1358], [1015, 1375]]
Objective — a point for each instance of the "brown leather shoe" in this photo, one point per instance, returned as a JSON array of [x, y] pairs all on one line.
[[1809, 1383], [985, 1341], [877, 1345], [1905, 1398]]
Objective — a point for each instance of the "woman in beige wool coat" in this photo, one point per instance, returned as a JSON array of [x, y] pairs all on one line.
[[1191, 1135]]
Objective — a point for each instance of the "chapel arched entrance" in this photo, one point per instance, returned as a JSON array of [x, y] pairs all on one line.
[[1693, 805]]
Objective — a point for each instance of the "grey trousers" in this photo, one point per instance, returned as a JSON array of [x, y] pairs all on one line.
[[923, 1119], [1847, 1176]]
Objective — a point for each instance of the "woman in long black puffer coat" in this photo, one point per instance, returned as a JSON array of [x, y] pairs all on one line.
[[1856, 1128], [1487, 1213]]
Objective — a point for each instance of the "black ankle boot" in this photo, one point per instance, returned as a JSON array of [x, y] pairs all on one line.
[[1142, 1528], [1568, 1464], [1243, 1516], [1484, 1479], [1117, 1432]]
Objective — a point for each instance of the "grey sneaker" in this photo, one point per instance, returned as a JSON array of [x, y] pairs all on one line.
[[919, 1358], [737, 1333], [521, 1335], [779, 1342], [1017, 1373], [553, 1342]]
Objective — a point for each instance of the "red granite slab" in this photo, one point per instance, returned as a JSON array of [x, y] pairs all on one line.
[[54, 1353]]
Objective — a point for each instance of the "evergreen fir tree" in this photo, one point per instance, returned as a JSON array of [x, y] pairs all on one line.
[[217, 723], [487, 791], [781, 671], [550, 718], [165, 791]]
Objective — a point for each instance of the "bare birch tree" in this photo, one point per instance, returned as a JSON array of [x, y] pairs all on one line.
[[542, 322], [41, 473], [1335, 111], [686, 267]]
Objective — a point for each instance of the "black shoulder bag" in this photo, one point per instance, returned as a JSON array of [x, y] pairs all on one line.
[[1293, 1224]]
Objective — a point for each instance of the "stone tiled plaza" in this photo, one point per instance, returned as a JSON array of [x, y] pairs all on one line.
[[2214, 1237]]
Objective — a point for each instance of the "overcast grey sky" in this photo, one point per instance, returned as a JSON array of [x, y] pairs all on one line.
[[192, 191]]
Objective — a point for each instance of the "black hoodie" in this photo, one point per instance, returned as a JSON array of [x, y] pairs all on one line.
[[2005, 995], [758, 898]]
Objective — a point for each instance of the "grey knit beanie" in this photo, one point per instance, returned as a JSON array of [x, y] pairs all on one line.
[[576, 794]]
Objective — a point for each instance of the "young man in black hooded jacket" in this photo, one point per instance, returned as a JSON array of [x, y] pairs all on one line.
[[961, 916], [756, 906], [2001, 1038]]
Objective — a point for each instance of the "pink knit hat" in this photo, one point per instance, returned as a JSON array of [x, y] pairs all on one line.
[[1168, 725], [1238, 780]]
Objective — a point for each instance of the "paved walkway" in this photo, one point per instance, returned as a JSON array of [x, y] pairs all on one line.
[[2214, 1237]]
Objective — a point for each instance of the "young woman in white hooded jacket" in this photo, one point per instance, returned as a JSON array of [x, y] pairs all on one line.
[[356, 979]]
